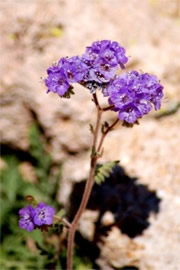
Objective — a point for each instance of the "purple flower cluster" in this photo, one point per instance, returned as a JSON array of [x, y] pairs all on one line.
[[103, 58], [31, 218], [96, 67], [61, 76], [133, 93]]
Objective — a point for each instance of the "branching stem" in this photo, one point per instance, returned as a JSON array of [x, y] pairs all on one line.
[[63, 220], [104, 135], [90, 180], [108, 108]]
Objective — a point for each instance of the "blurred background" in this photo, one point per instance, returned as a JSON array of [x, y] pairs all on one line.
[[45, 139]]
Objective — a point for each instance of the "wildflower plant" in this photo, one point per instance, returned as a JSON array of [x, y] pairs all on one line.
[[131, 95]]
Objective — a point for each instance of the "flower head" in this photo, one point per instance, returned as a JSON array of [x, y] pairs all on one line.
[[43, 214], [95, 68], [103, 59], [74, 69], [26, 218], [108, 51], [132, 94], [62, 75], [57, 81]]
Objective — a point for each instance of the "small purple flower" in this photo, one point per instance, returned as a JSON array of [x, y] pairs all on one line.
[[132, 94], [110, 52], [43, 214], [26, 218], [67, 71], [155, 89], [120, 53], [57, 81], [74, 69], [103, 59]]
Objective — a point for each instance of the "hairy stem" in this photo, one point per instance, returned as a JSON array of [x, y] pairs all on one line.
[[90, 180], [105, 133], [88, 188], [63, 220]]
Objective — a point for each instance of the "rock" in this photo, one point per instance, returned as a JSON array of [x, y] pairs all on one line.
[[107, 219], [158, 247], [119, 250], [87, 224], [27, 171]]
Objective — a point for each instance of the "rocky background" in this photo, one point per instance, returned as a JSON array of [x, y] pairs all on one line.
[[36, 33]]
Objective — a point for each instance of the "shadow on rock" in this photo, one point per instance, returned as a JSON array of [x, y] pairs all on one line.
[[130, 203]]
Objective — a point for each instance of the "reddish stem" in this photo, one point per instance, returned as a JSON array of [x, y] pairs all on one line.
[[105, 133], [90, 180], [87, 191]]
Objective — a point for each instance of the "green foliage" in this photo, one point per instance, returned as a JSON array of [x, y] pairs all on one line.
[[48, 181], [80, 263], [14, 253], [21, 250], [38, 152], [104, 170]]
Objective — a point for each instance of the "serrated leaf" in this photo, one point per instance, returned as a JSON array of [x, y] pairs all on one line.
[[103, 171], [99, 178]]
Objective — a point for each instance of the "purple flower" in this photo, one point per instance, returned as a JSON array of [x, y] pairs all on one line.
[[132, 94], [26, 218], [111, 52], [103, 59], [57, 81], [155, 89], [43, 214], [74, 69], [67, 71], [95, 68]]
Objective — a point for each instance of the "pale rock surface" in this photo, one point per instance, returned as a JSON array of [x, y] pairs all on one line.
[[158, 247], [87, 224]]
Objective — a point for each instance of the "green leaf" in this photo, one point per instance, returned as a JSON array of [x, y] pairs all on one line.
[[37, 150], [10, 179], [103, 171]]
